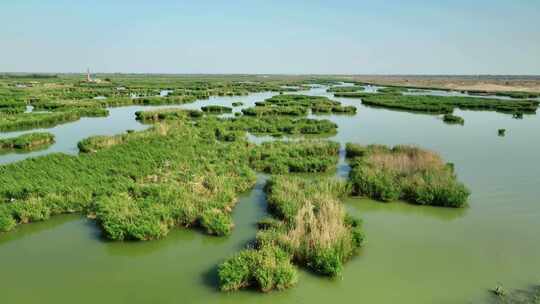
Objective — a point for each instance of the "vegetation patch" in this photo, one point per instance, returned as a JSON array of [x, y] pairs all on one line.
[[275, 111], [37, 120], [453, 119], [216, 109], [447, 104], [297, 105], [27, 141], [310, 228], [170, 175], [404, 172], [280, 157], [279, 126], [237, 104], [355, 88], [166, 114]]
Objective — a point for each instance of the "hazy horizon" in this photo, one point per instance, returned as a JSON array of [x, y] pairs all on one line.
[[282, 37]]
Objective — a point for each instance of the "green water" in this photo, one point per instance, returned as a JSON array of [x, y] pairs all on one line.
[[413, 255]]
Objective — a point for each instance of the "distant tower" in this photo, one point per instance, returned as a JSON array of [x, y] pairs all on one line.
[[88, 78]]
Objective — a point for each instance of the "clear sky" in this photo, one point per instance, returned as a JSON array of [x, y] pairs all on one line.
[[272, 36]]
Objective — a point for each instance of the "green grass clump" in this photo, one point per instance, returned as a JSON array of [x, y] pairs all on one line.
[[403, 172], [316, 229], [297, 105], [27, 141], [265, 269], [35, 120], [340, 89], [447, 104], [12, 110], [353, 94], [166, 114], [354, 150], [95, 143], [309, 227], [453, 119], [138, 188], [216, 109], [391, 90], [511, 94], [282, 125], [281, 157], [333, 109], [237, 104], [275, 111], [501, 132]]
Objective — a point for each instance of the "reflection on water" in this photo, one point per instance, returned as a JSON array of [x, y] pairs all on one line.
[[414, 254]]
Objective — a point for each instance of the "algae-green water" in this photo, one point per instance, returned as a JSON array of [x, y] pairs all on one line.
[[413, 254]]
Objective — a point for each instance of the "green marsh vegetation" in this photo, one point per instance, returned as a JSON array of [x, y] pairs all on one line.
[[26, 121], [216, 109], [511, 94], [355, 88], [237, 104], [404, 173], [27, 141], [275, 126], [453, 119], [305, 156], [309, 227], [297, 105], [275, 111], [166, 114], [139, 188], [280, 126], [501, 132], [447, 104]]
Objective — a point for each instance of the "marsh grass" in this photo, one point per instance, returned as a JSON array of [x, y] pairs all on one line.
[[138, 187], [447, 104], [216, 109], [453, 119], [27, 141], [297, 105], [307, 156], [167, 114], [404, 172], [309, 227]]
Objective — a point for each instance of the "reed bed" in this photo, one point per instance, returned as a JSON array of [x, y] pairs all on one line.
[[404, 172], [309, 227]]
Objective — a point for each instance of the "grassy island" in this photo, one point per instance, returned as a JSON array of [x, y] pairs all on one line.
[[297, 105], [216, 109], [309, 227], [447, 104], [404, 172], [139, 187], [27, 141], [300, 156], [453, 119]]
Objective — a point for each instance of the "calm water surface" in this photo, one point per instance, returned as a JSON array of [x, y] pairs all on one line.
[[413, 255]]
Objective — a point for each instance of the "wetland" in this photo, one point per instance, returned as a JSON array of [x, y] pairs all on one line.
[[232, 183]]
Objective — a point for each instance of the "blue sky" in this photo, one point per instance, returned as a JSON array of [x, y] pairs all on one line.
[[343, 37]]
